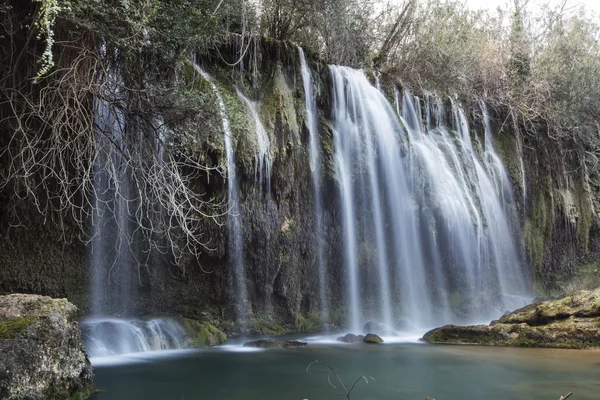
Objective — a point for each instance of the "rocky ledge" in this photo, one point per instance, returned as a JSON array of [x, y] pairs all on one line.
[[571, 322], [42, 355]]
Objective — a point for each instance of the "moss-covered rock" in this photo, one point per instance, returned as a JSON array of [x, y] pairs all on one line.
[[372, 338], [265, 327], [42, 351], [572, 321], [203, 333]]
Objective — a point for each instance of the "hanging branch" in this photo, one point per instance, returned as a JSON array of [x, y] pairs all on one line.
[[345, 391]]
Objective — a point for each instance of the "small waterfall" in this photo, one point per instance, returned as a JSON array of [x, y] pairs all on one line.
[[234, 223], [427, 204], [104, 337], [113, 225], [263, 158], [113, 250], [315, 166]]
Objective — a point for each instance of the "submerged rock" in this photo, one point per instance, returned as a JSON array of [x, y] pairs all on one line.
[[572, 321], [275, 344], [372, 338], [41, 351], [293, 344], [351, 338]]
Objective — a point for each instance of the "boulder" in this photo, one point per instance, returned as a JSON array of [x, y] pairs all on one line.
[[42, 354], [275, 344], [351, 338], [572, 321], [372, 338]]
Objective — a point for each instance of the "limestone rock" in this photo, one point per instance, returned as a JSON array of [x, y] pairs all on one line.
[[372, 338], [42, 354], [572, 321]]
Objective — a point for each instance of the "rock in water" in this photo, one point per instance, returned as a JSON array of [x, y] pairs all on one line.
[[572, 321], [272, 343], [351, 338], [42, 354], [372, 338], [294, 344], [263, 344]]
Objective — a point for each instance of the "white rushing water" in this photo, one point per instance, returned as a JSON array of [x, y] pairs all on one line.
[[315, 167], [110, 219], [113, 259], [107, 337], [263, 156], [426, 218], [234, 223]]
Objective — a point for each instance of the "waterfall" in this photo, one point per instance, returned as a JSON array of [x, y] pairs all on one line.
[[113, 250], [357, 113], [263, 157], [234, 223], [433, 211], [315, 166], [106, 337], [111, 228]]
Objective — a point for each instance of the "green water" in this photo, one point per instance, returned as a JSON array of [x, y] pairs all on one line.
[[400, 372]]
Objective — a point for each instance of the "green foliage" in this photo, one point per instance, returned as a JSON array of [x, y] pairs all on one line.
[[49, 10], [265, 327], [163, 29], [340, 31]]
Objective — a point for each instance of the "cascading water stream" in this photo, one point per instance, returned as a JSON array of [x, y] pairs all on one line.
[[105, 337], [434, 211], [234, 223], [263, 157], [113, 280], [315, 166]]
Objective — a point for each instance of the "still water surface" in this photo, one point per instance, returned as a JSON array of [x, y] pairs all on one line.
[[400, 372]]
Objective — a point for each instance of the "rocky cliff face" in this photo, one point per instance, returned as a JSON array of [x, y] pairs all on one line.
[[556, 197], [556, 186]]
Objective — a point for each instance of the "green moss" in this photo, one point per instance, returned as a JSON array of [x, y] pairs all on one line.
[[374, 339], [309, 322], [203, 333], [13, 327], [262, 327], [280, 112]]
